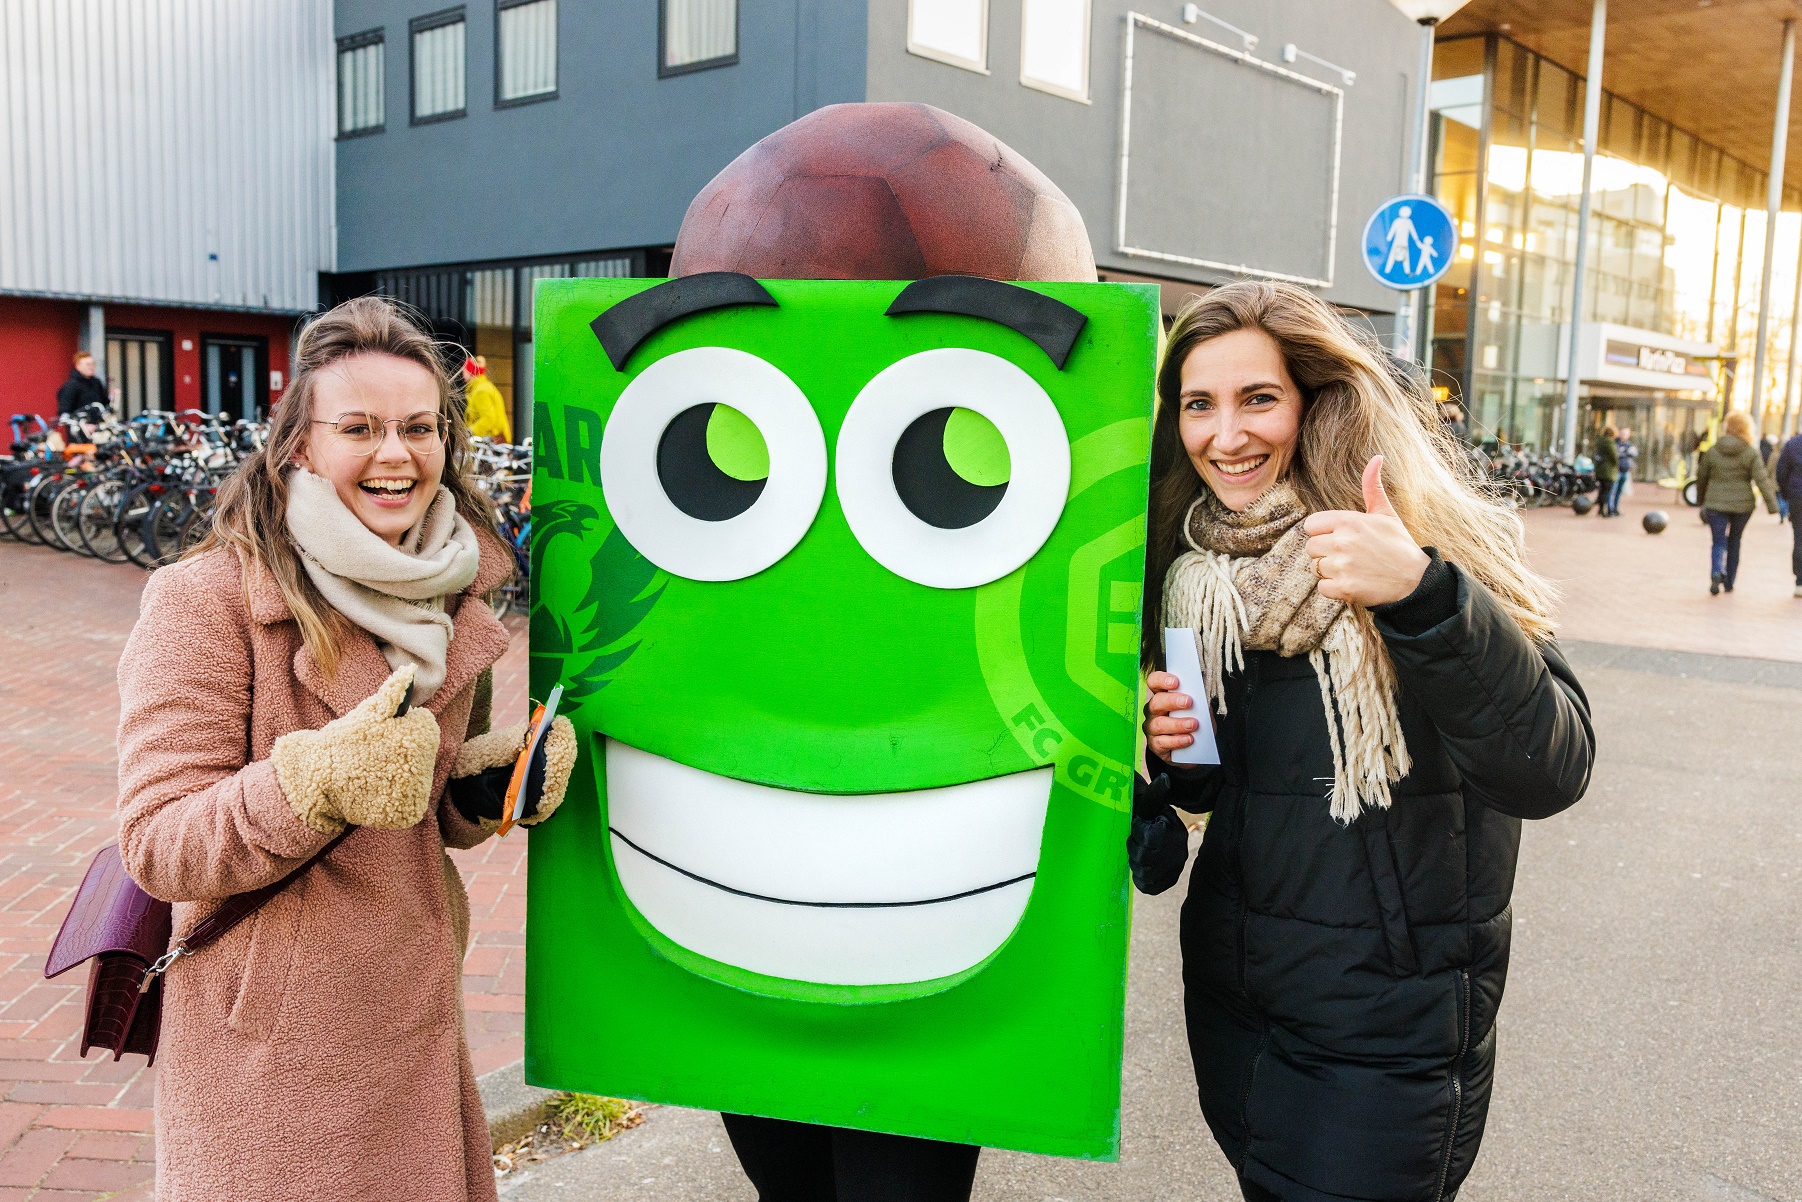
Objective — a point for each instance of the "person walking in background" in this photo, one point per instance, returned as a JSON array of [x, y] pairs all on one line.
[[1453, 419], [1789, 487], [1771, 458], [1608, 469], [484, 405], [1725, 477], [1627, 454], [82, 388]]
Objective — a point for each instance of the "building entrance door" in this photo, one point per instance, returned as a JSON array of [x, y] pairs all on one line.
[[140, 370], [234, 383]]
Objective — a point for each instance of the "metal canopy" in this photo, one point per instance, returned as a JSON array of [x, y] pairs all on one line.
[[1707, 67]]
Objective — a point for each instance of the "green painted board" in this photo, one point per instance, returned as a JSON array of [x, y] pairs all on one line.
[[846, 608]]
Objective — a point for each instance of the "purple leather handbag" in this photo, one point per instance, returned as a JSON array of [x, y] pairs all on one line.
[[125, 932]]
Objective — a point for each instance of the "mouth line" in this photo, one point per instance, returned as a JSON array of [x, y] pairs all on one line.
[[822, 905]]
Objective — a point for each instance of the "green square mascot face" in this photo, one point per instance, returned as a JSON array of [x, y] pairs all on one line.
[[842, 583]]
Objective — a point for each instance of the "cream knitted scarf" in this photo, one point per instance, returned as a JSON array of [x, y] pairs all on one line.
[[1248, 582], [395, 593]]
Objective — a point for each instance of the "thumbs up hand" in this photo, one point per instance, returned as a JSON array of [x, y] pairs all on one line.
[[1365, 558]]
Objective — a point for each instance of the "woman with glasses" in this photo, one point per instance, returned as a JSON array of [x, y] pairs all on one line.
[[314, 681]]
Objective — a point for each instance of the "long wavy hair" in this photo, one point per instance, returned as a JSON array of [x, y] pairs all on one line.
[[1357, 401], [250, 514]]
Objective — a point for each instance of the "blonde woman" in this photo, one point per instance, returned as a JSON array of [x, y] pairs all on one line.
[[317, 1051], [1388, 705], [1725, 477]]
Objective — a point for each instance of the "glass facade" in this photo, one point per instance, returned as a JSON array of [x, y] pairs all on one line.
[[1676, 240]]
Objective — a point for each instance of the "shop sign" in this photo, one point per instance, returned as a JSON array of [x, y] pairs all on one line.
[[1638, 358], [1658, 359]]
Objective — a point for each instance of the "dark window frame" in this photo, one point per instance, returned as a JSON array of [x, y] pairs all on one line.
[[726, 60], [357, 41], [259, 346], [166, 372], [536, 97], [417, 26]]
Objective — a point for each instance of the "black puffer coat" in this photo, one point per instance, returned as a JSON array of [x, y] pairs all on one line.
[[1341, 982]]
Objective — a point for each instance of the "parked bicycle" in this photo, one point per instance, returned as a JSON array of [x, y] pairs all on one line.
[[142, 491]]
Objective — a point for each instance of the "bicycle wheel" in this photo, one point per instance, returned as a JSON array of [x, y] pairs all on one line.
[[162, 528], [12, 512], [94, 522], [37, 509], [129, 524], [198, 522], [64, 514]]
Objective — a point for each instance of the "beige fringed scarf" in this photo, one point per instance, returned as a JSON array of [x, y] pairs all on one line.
[[395, 593], [1249, 583]]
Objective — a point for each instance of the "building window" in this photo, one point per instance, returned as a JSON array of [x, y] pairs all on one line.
[[1054, 47], [360, 84], [438, 72], [950, 31], [140, 370], [525, 37], [697, 34]]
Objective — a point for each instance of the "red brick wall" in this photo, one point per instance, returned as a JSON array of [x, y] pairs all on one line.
[[38, 337]]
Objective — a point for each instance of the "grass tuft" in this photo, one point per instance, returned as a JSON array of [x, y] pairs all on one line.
[[571, 1121], [585, 1118]]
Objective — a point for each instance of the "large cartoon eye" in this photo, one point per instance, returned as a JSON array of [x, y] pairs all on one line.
[[953, 467], [713, 463]]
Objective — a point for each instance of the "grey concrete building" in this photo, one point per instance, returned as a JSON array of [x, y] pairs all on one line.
[[484, 146]]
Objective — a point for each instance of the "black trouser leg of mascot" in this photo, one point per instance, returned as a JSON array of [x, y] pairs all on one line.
[[802, 1162]]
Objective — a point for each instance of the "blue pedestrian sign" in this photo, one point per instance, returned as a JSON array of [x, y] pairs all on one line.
[[1410, 241]]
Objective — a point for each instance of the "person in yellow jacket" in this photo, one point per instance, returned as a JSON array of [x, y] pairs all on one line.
[[485, 408]]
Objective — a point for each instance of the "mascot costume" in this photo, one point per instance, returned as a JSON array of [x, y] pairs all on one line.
[[837, 555]]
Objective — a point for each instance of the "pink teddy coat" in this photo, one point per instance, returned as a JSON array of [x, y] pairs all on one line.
[[317, 1051]]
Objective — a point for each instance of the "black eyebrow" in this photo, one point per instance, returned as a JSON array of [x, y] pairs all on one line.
[[627, 324], [1049, 323]]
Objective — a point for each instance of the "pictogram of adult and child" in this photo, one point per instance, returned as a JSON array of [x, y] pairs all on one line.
[[1402, 237]]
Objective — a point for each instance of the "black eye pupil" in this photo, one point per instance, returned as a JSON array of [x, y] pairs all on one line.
[[930, 487], [691, 479]]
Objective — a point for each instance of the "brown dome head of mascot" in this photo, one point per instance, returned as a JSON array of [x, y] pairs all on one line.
[[883, 192]]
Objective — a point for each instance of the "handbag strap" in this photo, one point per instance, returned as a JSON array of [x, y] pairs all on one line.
[[232, 911]]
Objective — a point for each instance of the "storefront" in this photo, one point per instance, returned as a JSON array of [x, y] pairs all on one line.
[[1662, 388], [1675, 239], [217, 361]]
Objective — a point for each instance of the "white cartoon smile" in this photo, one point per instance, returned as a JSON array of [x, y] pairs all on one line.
[[865, 889]]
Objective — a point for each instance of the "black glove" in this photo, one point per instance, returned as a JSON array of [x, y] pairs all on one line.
[[1157, 847]]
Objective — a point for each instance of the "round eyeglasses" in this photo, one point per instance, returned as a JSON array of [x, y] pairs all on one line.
[[363, 433]]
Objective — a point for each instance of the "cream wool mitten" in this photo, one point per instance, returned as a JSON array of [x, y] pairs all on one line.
[[367, 768], [496, 749], [484, 767]]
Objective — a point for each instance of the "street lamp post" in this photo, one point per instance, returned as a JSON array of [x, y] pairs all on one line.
[[1773, 202], [1592, 122], [1427, 14]]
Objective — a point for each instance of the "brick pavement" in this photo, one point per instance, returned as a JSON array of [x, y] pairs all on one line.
[[73, 1131], [1622, 585]]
